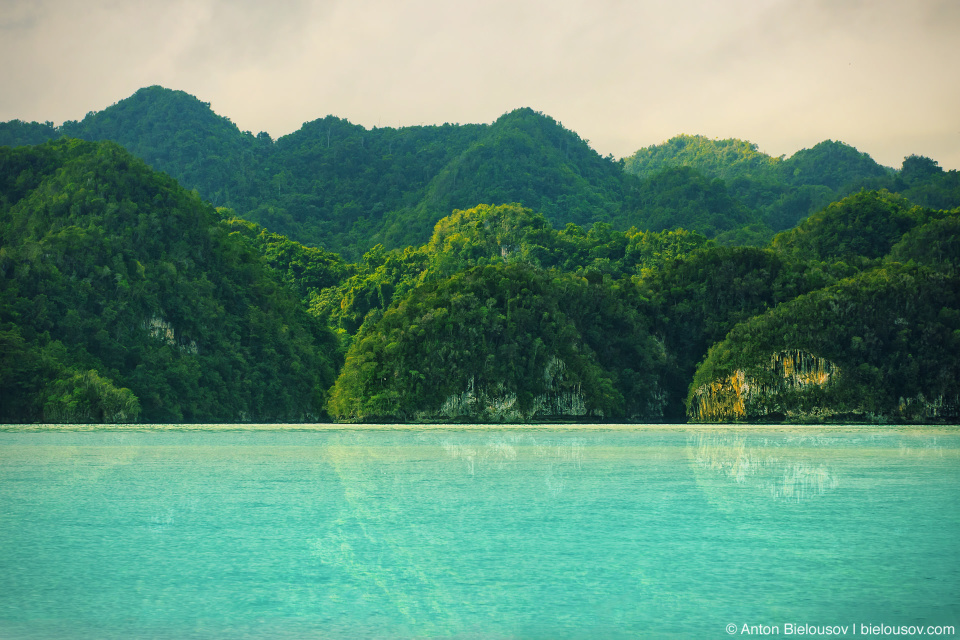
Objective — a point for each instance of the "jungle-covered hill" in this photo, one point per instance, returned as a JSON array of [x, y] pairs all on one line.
[[123, 298], [480, 322], [501, 272], [347, 188]]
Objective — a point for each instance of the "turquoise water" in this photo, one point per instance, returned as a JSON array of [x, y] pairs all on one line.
[[540, 533]]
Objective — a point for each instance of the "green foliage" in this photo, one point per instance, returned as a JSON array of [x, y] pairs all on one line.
[[511, 330], [307, 270], [335, 183], [835, 165], [17, 133], [865, 225], [527, 158], [935, 244], [725, 159], [513, 233], [174, 132], [87, 397], [893, 332], [24, 371], [486, 235], [380, 277], [751, 235], [922, 181], [683, 198], [109, 267]]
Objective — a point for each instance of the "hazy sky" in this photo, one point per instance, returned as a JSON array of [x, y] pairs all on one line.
[[882, 75]]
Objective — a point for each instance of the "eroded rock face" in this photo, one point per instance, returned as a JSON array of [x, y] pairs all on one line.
[[796, 386], [162, 330], [743, 396], [499, 404], [937, 409]]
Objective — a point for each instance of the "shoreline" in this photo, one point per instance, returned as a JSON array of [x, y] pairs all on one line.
[[322, 427]]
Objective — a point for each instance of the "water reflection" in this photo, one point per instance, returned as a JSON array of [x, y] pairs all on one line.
[[791, 473], [553, 458], [412, 502]]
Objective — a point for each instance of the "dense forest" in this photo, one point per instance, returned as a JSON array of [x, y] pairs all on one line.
[[159, 265], [123, 298], [347, 188]]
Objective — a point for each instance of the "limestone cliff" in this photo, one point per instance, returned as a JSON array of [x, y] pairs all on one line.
[[496, 403], [164, 331], [881, 346], [798, 386], [775, 390]]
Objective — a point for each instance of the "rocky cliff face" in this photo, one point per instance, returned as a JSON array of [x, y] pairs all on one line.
[[799, 386], [769, 391], [163, 331], [920, 408], [495, 403]]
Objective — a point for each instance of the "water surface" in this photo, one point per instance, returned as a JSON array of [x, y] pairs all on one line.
[[474, 533]]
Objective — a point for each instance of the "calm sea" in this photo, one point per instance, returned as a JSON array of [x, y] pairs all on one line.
[[476, 533]]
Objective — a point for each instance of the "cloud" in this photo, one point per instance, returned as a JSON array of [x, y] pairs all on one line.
[[624, 74]]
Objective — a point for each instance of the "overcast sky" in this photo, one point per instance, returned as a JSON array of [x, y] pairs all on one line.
[[882, 75]]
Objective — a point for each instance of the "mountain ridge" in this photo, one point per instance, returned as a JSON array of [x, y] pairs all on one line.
[[347, 188]]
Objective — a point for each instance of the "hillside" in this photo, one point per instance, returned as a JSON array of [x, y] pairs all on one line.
[[348, 188], [123, 298], [779, 192], [863, 225], [881, 346], [491, 272], [504, 343]]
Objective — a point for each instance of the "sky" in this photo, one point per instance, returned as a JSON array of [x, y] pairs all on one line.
[[881, 75]]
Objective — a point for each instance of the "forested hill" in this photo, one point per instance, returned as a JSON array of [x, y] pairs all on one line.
[[602, 289], [501, 317], [782, 191], [348, 188], [124, 298], [345, 187], [173, 132]]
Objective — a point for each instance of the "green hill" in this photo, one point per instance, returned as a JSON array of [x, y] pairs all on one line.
[[504, 343], [122, 297], [779, 192], [935, 244], [881, 346], [176, 133], [348, 188], [503, 234], [922, 181], [863, 225], [700, 296], [725, 159]]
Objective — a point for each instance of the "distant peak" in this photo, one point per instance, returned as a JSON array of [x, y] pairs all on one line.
[[156, 92], [524, 114]]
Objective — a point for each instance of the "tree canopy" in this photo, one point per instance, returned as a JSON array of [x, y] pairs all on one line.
[[123, 297]]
